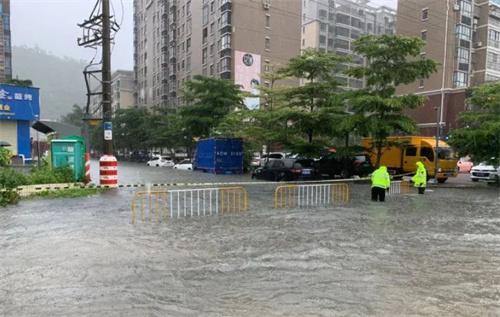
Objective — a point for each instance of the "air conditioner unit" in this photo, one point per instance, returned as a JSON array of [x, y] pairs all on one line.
[[456, 7], [266, 4], [479, 44]]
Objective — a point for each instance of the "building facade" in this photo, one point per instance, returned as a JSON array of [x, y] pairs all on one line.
[[463, 37], [122, 89], [230, 39], [5, 42], [332, 26]]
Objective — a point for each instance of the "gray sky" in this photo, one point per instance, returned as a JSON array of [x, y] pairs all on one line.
[[51, 25]]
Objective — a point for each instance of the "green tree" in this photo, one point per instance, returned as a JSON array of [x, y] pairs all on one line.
[[313, 107], [132, 129], [479, 136], [209, 100], [391, 61], [75, 117]]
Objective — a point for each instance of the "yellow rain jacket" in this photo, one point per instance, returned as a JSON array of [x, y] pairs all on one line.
[[380, 178], [420, 177]]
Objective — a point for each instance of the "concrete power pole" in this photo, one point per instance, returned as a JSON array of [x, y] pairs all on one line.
[[97, 33]]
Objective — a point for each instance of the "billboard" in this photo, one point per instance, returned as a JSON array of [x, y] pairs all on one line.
[[19, 103], [247, 75]]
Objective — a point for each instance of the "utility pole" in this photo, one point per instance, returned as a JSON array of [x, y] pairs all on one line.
[[107, 111], [97, 33]]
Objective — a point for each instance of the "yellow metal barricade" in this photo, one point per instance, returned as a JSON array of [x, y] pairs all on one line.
[[175, 203], [308, 195], [151, 205], [233, 199], [340, 193]]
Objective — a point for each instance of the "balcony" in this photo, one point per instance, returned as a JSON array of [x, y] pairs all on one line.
[[225, 7]]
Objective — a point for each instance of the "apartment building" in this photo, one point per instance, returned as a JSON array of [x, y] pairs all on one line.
[[5, 42], [332, 26], [123, 89], [463, 36], [231, 39]]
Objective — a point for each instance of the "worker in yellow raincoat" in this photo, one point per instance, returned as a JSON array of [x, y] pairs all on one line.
[[420, 178], [381, 181]]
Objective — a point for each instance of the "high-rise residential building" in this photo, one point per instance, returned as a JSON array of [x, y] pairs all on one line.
[[5, 43], [463, 37], [332, 26], [123, 89], [230, 39]]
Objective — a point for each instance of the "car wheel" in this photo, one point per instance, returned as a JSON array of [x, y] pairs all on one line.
[[442, 180]]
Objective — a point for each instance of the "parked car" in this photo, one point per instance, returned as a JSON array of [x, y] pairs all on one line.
[[331, 166], [140, 156], [286, 170], [464, 165], [485, 172], [271, 156], [185, 165], [162, 161]]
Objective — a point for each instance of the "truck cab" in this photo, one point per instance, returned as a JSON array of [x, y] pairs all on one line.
[[402, 158]]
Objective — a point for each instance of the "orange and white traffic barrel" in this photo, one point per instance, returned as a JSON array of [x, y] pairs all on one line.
[[108, 171]]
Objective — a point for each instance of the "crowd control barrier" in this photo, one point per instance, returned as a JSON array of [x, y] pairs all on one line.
[[399, 187], [155, 205], [298, 196]]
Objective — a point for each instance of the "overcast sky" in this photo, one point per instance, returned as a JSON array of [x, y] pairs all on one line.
[[52, 26]]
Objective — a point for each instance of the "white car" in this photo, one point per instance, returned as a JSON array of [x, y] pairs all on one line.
[[185, 165], [484, 172], [161, 162]]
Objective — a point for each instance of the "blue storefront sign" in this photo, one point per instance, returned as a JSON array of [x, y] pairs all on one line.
[[18, 107]]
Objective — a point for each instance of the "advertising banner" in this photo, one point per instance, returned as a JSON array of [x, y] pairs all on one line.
[[247, 75], [19, 103]]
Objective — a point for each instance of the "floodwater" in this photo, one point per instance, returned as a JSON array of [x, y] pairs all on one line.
[[431, 255]]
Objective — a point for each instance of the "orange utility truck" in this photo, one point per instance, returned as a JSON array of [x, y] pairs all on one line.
[[402, 158]]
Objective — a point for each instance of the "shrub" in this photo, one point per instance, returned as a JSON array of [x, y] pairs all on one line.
[[4, 157], [9, 180], [45, 175]]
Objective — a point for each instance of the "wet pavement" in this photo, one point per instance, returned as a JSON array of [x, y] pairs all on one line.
[[431, 255]]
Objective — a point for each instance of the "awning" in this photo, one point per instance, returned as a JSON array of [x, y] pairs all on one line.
[[61, 129]]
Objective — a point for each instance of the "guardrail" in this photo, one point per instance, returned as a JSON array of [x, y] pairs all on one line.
[[293, 196], [164, 204], [399, 187]]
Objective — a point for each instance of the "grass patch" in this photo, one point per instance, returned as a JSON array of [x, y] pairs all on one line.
[[68, 193]]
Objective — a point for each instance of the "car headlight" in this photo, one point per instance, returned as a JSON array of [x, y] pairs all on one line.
[[440, 170]]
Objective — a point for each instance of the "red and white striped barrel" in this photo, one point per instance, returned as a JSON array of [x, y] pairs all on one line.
[[87, 168], [108, 171]]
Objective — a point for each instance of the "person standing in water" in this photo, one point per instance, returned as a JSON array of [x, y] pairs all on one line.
[[381, 181], [420, 178]]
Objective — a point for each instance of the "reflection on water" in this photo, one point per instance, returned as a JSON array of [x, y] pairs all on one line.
[[431, 255]]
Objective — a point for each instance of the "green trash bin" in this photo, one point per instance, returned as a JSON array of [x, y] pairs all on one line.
[[69, 152]]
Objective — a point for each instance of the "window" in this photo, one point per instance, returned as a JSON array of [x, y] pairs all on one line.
[[323, 27], [463, 32], [322, 39], [188, 7], [211, 70], [425, 14], [205, 14], [341, 31], [460, 79], [204, 35], [212, 27], [344, 19], [428, 153], [226, 41], [212, 49], [268, 43], [268, 21], [322, 14], [411, 151], [463, 55], [212, 6], [188, 44], [226, 18], [423, 35], [226, 64], [188, 63], [343, 44], [204, 56]]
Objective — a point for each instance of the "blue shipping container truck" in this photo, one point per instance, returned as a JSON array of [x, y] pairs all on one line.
[[219, 156]]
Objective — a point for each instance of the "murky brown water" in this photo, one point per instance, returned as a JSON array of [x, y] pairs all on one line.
[[436, 255]]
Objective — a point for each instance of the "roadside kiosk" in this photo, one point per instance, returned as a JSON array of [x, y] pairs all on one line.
[[70, 152]]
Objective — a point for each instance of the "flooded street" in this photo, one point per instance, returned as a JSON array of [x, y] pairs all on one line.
[[431, 255]]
